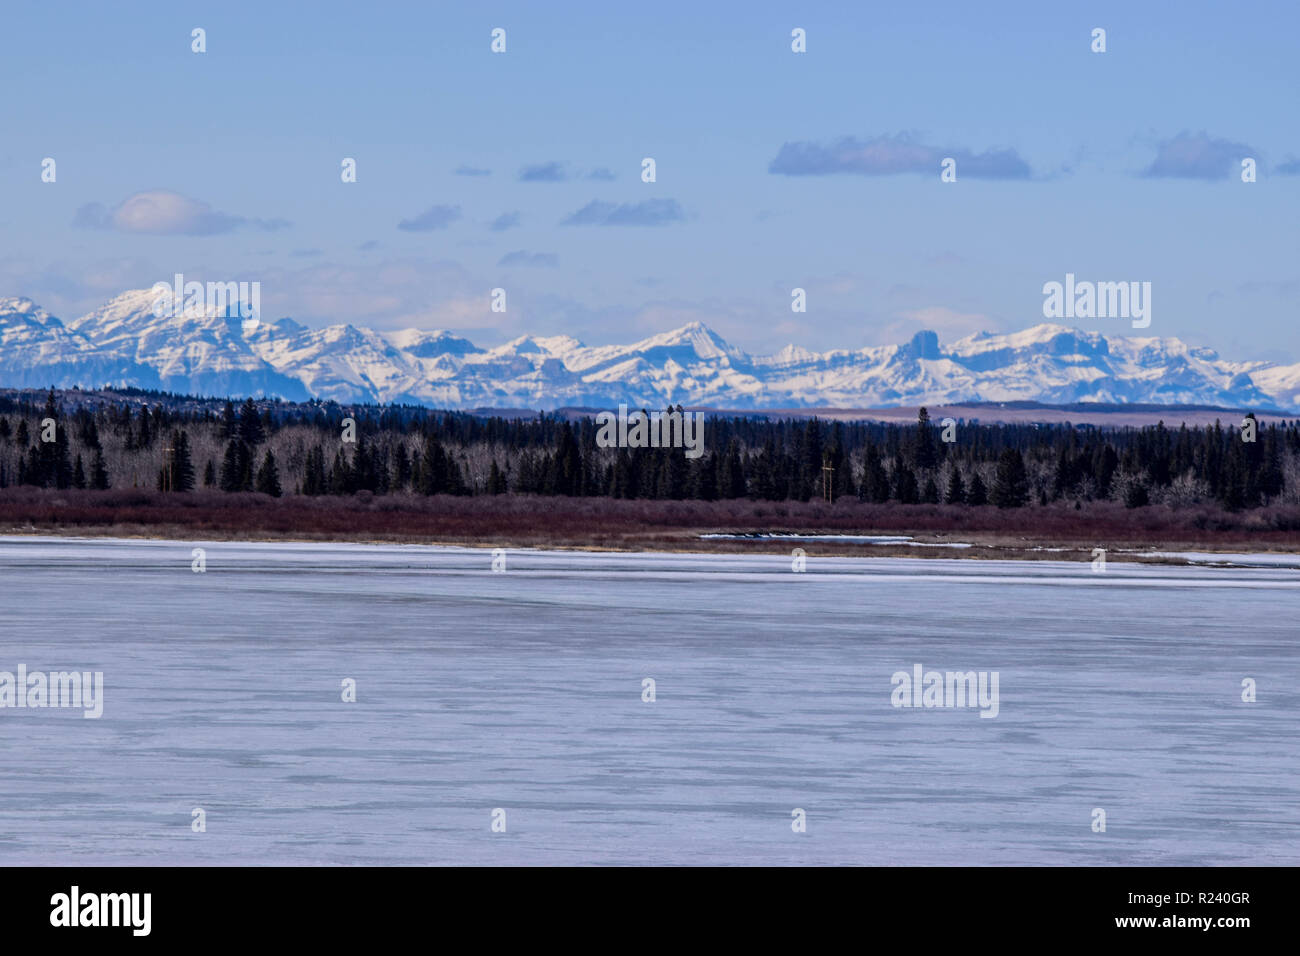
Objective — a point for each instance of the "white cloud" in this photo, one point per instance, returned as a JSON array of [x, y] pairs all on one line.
[[161, 212]]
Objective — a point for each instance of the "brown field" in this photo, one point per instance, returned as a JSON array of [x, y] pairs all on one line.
[[986, 413], [1108, 416], [524, 521]]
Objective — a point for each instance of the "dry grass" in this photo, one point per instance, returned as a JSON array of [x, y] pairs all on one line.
[[613, 524]]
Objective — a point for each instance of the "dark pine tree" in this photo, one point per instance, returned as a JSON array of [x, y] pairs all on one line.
[[875, 480], [268, 476], [180, 469], [733, 475], [565, 472], [99, 472], [402, 468], [924, 453], [145, 437], [1011, 483], [232, 475], [1136, 496], [956, 493], [313, 480], [229, 422], [905, 489], [251, 432]]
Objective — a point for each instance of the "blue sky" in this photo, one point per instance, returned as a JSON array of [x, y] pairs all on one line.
[[775, 170]]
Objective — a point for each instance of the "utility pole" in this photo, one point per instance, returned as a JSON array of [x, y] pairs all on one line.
[[167, 468], [828, 479]]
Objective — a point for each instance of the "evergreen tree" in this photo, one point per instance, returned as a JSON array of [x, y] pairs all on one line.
[[455, 478], [765, 471], [209, 475], [733, 475], [87, 430], [314, 481], [565, 472], [704, 478], [1064, 479], [178, 471], [1011, 483], [1136, 496], [49, 462], [363, 476], [145, 437], [229, 423], [433, 479], [98, 472], [63, 461], [251, 432], [875, 480], [402, 468], [79, 474], [931, 493], [1105, 462], [956, 493], [978, 495], [1232, 484], [342, 479], [924, 453], [810, 477], [905, 489], [232, 467], [30, 471], [676, 473], [268, 476]]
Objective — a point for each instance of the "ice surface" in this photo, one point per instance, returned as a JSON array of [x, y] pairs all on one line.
[[522, 690]]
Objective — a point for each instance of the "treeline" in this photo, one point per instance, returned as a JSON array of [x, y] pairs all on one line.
[[85, 441]]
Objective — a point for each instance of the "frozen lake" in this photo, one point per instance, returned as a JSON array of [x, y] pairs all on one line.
[[522, 690]]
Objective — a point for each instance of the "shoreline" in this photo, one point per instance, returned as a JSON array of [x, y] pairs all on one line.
[[843, 528], [780, 545]]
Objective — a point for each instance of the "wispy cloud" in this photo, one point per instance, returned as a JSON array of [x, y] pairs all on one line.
[[1197, 156], [602, 174], [164, 213], [543, 173], [545, 260], [472, 171], [890, 155], [651, 212], [1288, 167], [435, 217], [507, 220]]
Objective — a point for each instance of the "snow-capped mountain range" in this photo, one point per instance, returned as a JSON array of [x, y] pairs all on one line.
[[125, 344]]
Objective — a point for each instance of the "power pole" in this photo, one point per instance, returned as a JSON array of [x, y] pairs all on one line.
[[167, 468], [828, 480]]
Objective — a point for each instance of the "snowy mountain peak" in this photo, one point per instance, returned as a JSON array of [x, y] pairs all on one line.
[[696, 336], [124, 343]]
